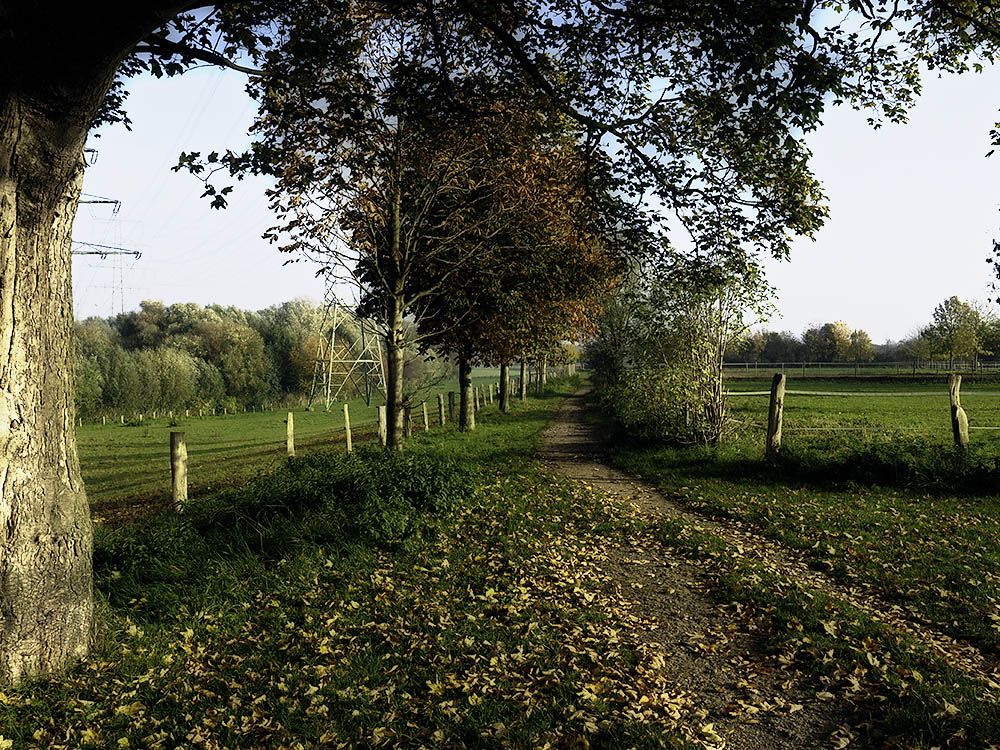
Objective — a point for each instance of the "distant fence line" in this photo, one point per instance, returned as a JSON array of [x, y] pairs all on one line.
[[817, 369], [775, 414]]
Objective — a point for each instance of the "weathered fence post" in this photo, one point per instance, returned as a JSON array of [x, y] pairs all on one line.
[[451, 406], [381, 425], [347, 428], [179, 470], [441, 408], [407, 423], [959, 420], [290, 434], [774, 413], [427, 424]]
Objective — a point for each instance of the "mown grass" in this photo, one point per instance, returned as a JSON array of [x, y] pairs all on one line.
[[907, 514], [432, 599], [127, 467]]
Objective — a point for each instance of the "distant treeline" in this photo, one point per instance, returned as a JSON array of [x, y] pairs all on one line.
[[958, 331], [187, 356]]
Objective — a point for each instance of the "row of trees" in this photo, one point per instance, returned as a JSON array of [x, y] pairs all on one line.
[[830, 342], [687, 114], [958, 330], [184, 355], [172, 357], [467, 213]]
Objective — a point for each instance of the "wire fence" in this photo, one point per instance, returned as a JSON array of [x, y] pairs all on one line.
[[949, 400], [910, 368]]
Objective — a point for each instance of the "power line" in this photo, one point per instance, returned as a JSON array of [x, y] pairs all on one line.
[[104, 250]]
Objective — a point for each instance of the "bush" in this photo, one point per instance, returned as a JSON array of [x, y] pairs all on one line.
[[371, 496], [668, 403]]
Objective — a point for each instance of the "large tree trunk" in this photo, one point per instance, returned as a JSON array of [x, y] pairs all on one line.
[[504, 387], [395, 350], [466, 412], [522, 385], [46, 540], [54, 80]]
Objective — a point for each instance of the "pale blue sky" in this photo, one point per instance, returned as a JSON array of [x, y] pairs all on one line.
[[914, 209]]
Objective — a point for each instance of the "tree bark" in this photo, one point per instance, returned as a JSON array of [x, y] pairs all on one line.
[[46, 540], [504, 387], [395, 349], [522, 385], [55, 79], [466, 412]]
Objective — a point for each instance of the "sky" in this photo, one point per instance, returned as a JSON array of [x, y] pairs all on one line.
[[190, 252], [914, 209]]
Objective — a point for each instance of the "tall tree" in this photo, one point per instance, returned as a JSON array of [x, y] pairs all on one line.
[[553, 255], [740, 84], [956, 330]]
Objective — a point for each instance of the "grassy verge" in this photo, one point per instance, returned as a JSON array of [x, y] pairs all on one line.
[[911, 697], [434, 599], [913, 541]]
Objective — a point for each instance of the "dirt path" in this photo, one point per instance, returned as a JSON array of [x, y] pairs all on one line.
[[674, 595]]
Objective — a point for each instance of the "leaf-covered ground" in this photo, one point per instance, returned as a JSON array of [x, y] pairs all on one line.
[[484, 629], [536, 611]]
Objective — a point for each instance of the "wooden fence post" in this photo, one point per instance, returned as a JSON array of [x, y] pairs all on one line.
[[290, 434], [451, 406], [441, 408], [774, 414], [347, 428], [381, 425], [427, 424], [179, 470], [407, 423], [959, 420]]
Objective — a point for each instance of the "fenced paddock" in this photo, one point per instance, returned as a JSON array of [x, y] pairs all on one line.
[[910, 368], [837, 410], [128, 466]]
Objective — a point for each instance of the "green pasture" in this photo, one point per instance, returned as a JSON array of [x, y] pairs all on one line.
[[875, 410], [127, 467], [889, 501]]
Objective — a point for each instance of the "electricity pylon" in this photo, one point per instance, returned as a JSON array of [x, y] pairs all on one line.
[[348, 362]]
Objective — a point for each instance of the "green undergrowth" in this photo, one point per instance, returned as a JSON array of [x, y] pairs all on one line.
[[908, 696], [421, 600], [935, 551]]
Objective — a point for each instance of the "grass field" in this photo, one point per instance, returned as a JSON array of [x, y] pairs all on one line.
[[891, 503], [297, 612], [880, 410], [127, 467]]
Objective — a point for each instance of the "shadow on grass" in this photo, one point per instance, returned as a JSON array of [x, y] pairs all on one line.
[[324, 502]]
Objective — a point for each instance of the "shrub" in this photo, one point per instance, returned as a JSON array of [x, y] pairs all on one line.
[[667, 403], [371, 496]]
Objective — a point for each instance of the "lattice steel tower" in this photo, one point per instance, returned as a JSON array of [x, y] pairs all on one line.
[[349, 358]]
